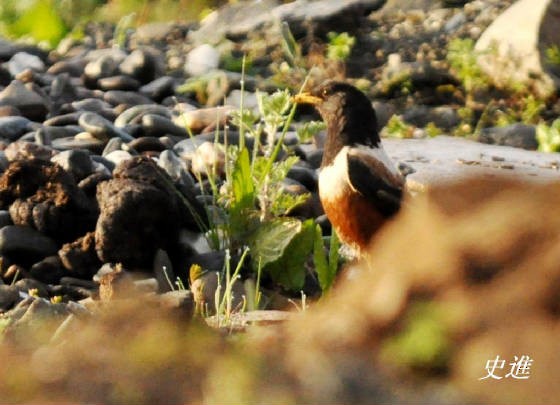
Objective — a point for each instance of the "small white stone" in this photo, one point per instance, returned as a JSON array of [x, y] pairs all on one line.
[[201, 60]]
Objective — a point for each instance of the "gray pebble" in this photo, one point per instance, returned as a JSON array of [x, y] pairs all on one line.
[[145, 144], [90, 104], [22, 61], [5, 218], [30, 103], [156, 125], [105, 66], [12, 128], [116, 97], [91, 144], [175, 168], [9, 296], [76, 162], [24, 241], [134, 114], [159, 88], [120, 82], [63, 119], [101, 128]]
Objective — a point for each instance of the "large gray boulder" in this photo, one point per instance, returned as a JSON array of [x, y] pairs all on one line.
[[445, 159], [521, 36], [238, 19]]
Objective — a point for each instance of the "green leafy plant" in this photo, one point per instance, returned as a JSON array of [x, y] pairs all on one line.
[[121, 29], [553, 55], [38, 20], [340, 46], [397, 128], [462, 58], [548, 137]]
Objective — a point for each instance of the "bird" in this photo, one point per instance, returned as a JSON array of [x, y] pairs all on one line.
[[359, 186]]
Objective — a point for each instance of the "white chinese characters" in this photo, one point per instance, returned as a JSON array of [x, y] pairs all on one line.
[[520, 368]]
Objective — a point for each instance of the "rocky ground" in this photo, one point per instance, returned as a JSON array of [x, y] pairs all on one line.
[[104, 197]]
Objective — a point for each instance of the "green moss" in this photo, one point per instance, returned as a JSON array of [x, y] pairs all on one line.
[[423, 341]]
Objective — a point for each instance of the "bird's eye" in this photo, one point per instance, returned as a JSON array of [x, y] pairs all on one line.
[[325, 92]]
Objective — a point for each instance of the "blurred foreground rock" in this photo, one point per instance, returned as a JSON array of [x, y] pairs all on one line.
[[480, 279]]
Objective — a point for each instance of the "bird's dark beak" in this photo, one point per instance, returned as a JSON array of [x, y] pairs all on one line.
[[306, 98]]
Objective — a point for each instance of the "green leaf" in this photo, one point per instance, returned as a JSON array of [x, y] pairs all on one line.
[[274, 106], [549, 137], [291, 48], [309, 129], [334, 256], [242, 204], [271, 239], [326, 268], [243, 188], [289, 269], [320, 259]]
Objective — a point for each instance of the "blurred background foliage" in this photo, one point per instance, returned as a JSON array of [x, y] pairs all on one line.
[[47, 21]]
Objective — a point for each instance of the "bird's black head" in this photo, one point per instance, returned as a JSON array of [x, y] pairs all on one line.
[[348, 113]]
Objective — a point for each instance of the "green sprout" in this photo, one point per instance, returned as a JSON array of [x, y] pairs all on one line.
[[340, 46], [548, 137]]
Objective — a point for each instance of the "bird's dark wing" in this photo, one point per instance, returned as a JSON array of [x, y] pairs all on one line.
[[371, 174]]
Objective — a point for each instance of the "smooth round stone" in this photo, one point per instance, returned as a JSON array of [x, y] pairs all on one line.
[[119, 82], [24, 240], [27, 137], [58, 132], [115, 53], [12, 128], [305, 176], [90, 104], [3, 161], [175, 168], [42, 138], [310, 154], [5, 218], [31, 104], [118, 156], [202, 118], [134, 114], [74, 67], [64, 119], [101, 128], [154, 32], [208, 156], [185, 149], [516, 135], [105, 66], [159, 88], [77, 162], [89, 184], [116, 97], [112, 145], [92, 144], [156, 125], [22, 61], [9, 296], [49, 270], [202, 59], [146, 143], [141, 65]]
